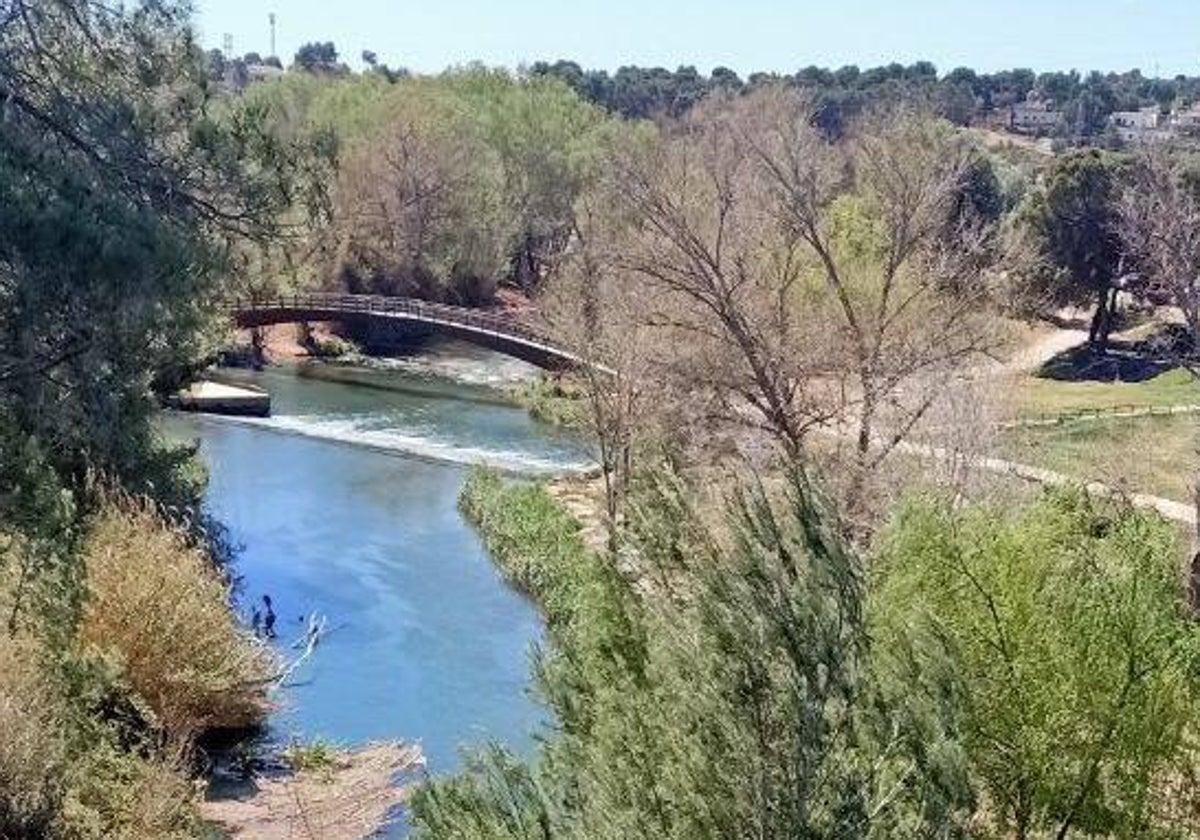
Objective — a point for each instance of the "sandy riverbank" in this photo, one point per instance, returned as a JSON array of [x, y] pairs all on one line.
[[352, 798]]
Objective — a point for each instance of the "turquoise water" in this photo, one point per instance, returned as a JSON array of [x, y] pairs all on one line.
[[345, 505]]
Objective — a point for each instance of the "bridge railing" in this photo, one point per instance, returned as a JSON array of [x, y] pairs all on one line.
[[381, 305]]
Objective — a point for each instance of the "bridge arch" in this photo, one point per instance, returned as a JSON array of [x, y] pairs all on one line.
[[504, 335]]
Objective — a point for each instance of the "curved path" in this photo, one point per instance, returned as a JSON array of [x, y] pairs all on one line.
[[504, 335], [1167, 508]]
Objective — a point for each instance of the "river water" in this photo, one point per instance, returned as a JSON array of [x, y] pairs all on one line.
[[345, 504]]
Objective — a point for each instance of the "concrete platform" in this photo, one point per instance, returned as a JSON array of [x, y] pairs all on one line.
[[219, 398]]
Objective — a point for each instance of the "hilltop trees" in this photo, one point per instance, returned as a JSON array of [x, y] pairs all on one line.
[[317, 56], [962, 96]]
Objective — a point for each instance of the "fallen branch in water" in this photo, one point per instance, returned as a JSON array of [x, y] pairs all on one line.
[[313, 634]]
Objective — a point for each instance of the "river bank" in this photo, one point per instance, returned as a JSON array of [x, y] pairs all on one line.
[[330, 794]]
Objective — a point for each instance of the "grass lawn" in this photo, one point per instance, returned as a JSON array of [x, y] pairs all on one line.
[[1155, 455], [1036, 396]]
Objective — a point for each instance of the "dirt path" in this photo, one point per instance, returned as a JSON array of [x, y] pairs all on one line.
[[1044, 348], [1168, 508], [583, 498]]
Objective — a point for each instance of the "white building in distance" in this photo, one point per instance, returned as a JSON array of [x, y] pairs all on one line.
[[1034, 116]]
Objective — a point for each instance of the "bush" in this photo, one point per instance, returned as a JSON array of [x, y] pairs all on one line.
[[159, 612], [324, 346], [119, 795], [314, 757], [32, 749], [1077, 667], [332, 347], [62, 773], [550, 401], [733, 700]]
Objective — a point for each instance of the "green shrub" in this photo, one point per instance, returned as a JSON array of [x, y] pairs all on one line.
[[315, 756], [553, 402], [725, 694], [1078, 670], [324, 346]]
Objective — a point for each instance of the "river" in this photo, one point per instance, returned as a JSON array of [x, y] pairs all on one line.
[[344, 503]]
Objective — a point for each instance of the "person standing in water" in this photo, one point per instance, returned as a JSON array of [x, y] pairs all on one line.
[[268, 618]]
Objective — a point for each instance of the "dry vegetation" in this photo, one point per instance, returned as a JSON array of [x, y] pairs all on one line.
[[96, 734], [53, 784], [159, 611], [30, 755], [753, 287]]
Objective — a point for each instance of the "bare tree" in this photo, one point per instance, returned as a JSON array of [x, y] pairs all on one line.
[[701, 233], [594, 308], [805, 285], [1160, 231], [904, 268]]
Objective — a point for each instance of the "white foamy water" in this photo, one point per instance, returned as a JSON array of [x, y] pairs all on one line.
[[361, 432], [460, 362]]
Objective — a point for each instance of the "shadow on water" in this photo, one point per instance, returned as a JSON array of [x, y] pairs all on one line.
[[1123, 361]]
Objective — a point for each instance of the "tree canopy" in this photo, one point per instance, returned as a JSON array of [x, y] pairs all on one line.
[[122, 197], [450, 184], [1073, 219], [961, 95]]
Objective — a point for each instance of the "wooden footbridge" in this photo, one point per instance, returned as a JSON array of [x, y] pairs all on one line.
[[495, 332]]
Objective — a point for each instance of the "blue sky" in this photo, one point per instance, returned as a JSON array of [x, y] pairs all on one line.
[[746, 35]]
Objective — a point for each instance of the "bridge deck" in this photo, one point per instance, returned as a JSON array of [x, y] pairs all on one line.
[[496, 332]]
